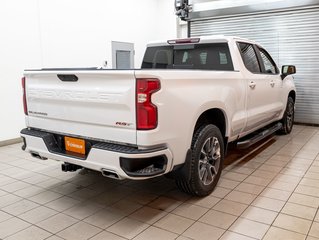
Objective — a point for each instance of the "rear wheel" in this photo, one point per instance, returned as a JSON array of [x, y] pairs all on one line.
[[206, 162], [288, 118]]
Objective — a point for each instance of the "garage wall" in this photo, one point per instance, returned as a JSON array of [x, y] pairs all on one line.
[[79, 33], [19, 49], [74, 33], [290, 35]]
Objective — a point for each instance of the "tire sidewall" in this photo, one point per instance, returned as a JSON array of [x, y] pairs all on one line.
[[287, 129], [200, 138]]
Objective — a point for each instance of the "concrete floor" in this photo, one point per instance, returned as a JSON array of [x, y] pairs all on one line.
[[272, 193]]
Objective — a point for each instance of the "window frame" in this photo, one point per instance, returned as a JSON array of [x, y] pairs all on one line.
[[261, 49], [257, 56]]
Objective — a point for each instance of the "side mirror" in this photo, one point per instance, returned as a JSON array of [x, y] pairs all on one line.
[[287, 70]]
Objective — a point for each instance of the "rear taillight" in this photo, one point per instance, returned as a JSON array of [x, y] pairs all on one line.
[[146, 111], [24, 97]]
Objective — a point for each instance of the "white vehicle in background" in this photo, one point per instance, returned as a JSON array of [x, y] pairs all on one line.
[[176, 115]]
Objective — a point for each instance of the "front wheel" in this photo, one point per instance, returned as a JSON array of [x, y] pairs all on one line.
[[288, 118], [206, 162]]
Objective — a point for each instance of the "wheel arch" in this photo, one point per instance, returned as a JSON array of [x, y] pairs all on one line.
[[292, 94], [215, 116]]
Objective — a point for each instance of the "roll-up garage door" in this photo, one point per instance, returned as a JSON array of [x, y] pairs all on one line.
[[292, 37]]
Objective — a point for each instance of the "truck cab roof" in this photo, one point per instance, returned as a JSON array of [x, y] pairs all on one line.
[[200, 39]]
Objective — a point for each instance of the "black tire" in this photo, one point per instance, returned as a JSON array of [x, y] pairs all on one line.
[[206, 162], [288, 118]]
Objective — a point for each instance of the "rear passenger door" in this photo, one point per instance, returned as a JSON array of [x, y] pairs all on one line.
[[261, 109], [272, 74]]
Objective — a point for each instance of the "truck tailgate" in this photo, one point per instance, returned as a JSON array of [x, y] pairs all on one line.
[[100, 104]]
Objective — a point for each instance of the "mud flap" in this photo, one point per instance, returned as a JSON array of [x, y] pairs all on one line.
[[183, 171]]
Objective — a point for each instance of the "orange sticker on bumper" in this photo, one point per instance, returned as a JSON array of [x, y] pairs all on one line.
[[74, 145]]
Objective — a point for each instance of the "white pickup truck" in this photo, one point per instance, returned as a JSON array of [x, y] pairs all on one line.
[[176, 115]]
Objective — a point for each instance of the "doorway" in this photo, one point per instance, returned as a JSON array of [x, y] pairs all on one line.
[[122, 55]]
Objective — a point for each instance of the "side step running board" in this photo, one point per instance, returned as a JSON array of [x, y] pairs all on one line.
[[259, 136]]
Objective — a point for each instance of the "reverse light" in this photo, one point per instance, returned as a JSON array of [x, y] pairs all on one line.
[[146, 111], [183, 41], [24, 97]]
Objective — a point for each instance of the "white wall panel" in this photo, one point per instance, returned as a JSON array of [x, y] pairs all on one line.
[[79, 33], [73, 33], [19, 49]]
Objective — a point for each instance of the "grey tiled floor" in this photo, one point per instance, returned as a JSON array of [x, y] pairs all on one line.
[[271, 192]]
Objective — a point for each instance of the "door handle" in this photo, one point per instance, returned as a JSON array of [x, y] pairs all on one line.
[[272, 83], [252, 84]]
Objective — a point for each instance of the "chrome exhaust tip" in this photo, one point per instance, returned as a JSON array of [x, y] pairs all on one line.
[[110, 174], [37, 155]]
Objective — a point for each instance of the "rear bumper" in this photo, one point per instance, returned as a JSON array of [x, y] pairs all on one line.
[[126, 161]]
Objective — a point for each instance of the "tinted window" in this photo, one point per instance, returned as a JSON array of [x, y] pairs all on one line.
[[269, 64], [158, 57], [199, 56], [249, 57]]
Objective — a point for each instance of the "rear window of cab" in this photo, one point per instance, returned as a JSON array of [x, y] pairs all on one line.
[[212, 56]]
